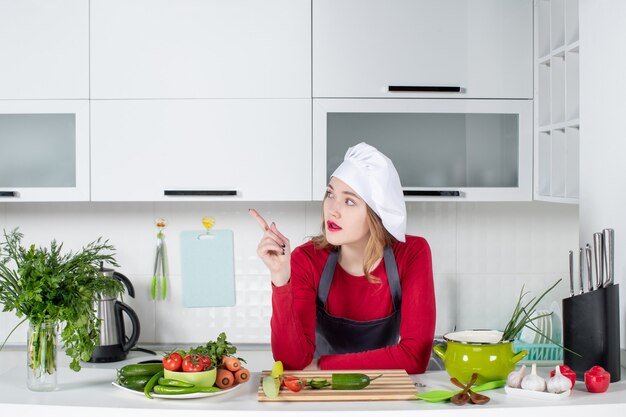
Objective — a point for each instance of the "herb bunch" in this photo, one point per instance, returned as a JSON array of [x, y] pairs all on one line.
[[45, 286], [523, 315]]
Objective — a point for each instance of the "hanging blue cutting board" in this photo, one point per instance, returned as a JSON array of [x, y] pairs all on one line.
[[207, 268]]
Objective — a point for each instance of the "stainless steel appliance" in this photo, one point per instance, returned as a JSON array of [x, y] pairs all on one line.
[[114, 343]]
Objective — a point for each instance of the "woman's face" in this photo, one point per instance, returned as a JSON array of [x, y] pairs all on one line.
[[345, 215]]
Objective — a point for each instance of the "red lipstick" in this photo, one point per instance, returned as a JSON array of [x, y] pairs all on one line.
[[332, 226]]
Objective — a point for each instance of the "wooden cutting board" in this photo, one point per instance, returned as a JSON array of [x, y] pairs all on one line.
[[395, 384]]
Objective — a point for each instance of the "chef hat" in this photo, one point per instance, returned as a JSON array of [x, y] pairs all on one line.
[[372, 175]]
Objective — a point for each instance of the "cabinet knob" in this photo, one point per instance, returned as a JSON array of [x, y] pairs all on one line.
[[9, 194]]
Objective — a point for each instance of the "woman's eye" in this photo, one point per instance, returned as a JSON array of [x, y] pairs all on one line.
[[329, 194], [350, 202]]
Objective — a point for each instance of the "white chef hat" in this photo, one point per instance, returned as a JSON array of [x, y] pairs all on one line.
[[374, 177]]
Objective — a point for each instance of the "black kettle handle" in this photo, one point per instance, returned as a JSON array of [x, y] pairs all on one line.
[[126, 282], [134, 337]]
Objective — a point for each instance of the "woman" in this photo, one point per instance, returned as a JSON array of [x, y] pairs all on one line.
[[360, 295]]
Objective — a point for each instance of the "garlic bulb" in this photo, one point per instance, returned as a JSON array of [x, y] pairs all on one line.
[[534, 382], [514, 380], [559, 383]]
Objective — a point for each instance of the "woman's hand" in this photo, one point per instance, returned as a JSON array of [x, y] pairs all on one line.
[[274, 250]]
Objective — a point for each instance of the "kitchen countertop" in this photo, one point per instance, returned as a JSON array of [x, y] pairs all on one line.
[[89, 392]]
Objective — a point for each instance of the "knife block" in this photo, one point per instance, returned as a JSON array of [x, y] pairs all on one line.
[[591, 329]]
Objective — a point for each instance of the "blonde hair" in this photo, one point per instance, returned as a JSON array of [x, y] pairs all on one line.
[[379, 238]]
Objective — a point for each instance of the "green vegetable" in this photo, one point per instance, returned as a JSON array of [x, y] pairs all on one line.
[[44, 286], [151, 383], [134, 382], [351, 381], [523, 315], [174, 383], [167, 390], [442, 395], [317, 383], [216, 349], [140, 369]]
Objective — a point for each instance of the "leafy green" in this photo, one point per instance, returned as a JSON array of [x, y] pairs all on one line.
[[43, 285], [523, 314], [216, 349]]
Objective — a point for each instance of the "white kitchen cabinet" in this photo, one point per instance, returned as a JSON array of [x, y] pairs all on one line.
[[444, 150], [44, 49], [45, 150], [363, 48], [201, 150], [200, 49], [557, 109]]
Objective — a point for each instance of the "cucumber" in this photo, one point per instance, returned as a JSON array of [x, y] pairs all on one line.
[[140, 369], [351, 381], [135, 383]]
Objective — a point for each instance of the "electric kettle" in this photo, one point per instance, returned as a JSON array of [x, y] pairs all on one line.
[[114, 344]]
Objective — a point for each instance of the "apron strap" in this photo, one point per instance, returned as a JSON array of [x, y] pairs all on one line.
[[391, 267], [393, 277], [327, 278]]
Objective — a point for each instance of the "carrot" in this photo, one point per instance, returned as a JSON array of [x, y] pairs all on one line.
[[242, 375], [225, 378], [231, 363]]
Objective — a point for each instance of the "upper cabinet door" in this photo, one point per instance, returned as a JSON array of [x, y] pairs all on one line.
[[201, 150], [45, 150], [200, 49], [44, 49], [428, 48]]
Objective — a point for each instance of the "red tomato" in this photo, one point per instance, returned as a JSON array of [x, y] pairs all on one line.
[[566, 371], [172, 361], [191, 364], [293, 383], [205, 361], [597, 379]]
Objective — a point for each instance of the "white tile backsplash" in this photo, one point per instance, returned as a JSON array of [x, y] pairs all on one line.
[[482, 254]]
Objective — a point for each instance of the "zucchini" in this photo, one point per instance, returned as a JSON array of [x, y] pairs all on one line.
[[140, 369], [351, 381], [317, 383]]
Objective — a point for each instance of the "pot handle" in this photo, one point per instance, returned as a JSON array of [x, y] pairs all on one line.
[[519, 356], [440, 350]]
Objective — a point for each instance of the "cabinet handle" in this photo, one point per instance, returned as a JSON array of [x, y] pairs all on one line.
[[8, 194], [431, 193], [426, 88], [199, 192]]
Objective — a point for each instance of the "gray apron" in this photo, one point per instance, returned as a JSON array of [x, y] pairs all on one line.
[[334, 335]]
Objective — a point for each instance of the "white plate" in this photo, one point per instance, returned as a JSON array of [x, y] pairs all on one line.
[[525, 393], [555, 308], [179, 396]]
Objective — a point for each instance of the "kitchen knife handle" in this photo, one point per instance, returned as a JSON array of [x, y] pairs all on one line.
[[598, 259], [571, 273], [8, 194], [581, 267], [433, 193], [426, 89], [197, 193], [589, 270], [609, 255]]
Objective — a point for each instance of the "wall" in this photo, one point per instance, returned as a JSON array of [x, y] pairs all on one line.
[[482, 254], [602, 144]]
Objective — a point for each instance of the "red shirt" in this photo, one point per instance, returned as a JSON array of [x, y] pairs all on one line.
[[352, 297]]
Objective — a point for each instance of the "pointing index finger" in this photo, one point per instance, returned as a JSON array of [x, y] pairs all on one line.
[[260, 220]]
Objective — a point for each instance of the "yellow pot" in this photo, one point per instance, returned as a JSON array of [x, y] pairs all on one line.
[[478, 351]]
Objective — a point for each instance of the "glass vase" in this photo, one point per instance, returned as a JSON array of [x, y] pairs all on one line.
[[41, 353]]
